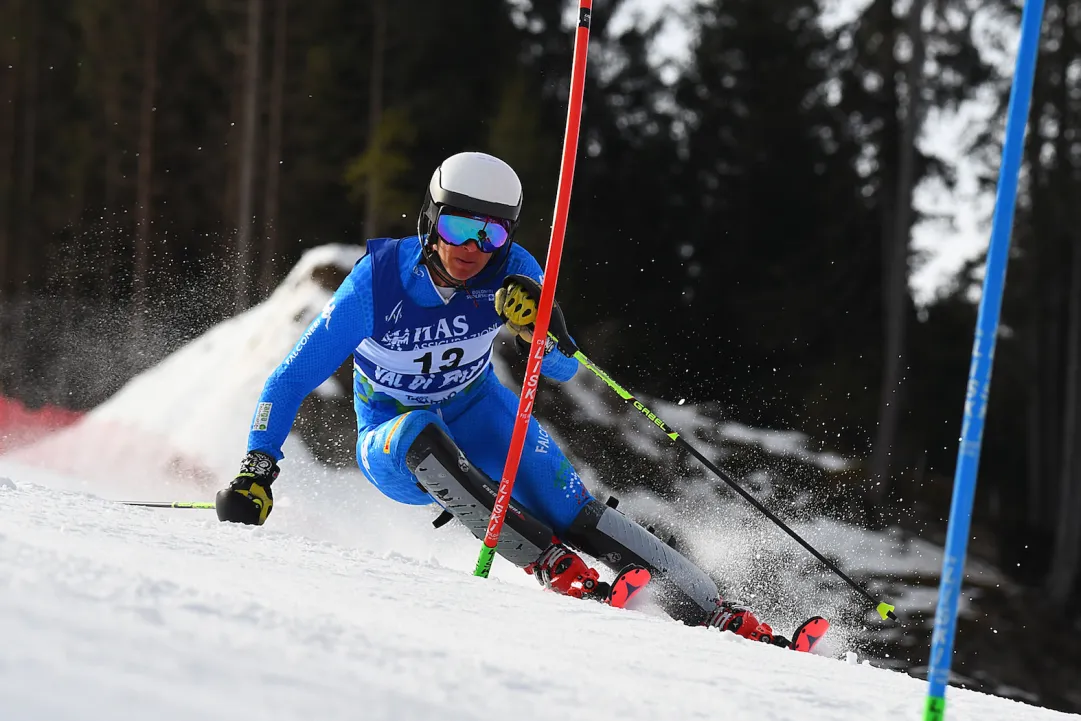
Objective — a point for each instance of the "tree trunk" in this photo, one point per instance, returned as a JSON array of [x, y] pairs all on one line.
[[1065, 563], [1066, 560], [895, 267], [25, 240], [9, 82], [1045, 337], [1040, 327], [1051, 374], [247, 157], [144, 195], [375, 116], [1033, 351], [108, 233], [271, 243], [1035, 482]]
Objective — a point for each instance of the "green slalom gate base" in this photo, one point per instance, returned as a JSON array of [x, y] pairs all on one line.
[[484, 561], [935, 709]]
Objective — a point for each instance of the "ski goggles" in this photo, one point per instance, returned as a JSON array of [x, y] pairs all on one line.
[[488, 233]]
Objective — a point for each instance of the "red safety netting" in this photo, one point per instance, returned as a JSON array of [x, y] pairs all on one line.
[[20, 426]]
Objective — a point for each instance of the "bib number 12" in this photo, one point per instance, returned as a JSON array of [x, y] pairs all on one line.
[[451, 357]]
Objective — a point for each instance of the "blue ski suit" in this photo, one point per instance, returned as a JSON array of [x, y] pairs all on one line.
[[419, 359]]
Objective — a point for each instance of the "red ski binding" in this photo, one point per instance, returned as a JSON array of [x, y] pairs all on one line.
[[627, 584], [809, 634]]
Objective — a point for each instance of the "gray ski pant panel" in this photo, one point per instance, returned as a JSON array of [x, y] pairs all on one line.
[[684, 590], [468, 494]]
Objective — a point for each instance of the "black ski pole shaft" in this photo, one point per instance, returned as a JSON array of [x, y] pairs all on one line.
[[168, 504], [884, 609], [783, 526]]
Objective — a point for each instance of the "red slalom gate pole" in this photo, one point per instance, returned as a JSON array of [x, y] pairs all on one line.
[[548, 293]]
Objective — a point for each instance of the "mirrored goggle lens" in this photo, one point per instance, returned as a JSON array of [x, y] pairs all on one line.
[[458, 230]]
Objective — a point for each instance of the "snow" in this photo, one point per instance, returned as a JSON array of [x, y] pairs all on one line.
[[115, 612], [347, 605]]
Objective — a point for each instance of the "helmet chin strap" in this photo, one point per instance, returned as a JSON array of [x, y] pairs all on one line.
[[437, 269]]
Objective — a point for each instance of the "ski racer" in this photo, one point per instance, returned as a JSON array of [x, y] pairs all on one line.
[[419, 316]]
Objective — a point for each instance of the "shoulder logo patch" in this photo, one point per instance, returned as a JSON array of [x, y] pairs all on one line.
[[262, 417]]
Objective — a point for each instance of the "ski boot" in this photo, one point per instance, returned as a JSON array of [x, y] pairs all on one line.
[[563, 571], [738, 619]]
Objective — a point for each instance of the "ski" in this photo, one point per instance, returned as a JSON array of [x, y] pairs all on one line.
[[809, 634], [627, 584]]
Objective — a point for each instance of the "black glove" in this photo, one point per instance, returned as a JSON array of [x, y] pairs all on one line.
[[516, 304], [248, 498]]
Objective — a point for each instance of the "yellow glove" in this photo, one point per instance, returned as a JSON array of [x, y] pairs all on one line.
[[248, 498], [516, 303]]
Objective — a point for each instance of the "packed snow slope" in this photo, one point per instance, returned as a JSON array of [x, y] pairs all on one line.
[[346, 605], [116, 612]]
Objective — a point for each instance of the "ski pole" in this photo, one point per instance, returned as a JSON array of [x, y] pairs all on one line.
[[548, 291], [567, 347], [168, 504]]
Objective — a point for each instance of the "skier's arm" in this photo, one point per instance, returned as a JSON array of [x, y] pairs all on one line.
[[328, 341], [555, 365]]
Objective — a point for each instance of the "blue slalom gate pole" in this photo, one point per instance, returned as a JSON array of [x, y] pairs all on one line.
[[983, 356]]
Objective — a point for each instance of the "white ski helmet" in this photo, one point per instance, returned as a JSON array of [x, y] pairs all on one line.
[[476, 183]]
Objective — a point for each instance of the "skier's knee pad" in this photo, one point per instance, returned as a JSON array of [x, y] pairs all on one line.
[[443, 471], [683, 589]]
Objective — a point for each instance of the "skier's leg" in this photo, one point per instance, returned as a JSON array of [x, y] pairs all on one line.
[[548, 485], [683, 589], [469, 495], [413, 459]]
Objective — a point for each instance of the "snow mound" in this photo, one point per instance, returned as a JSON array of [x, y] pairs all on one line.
[[184, 422]]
